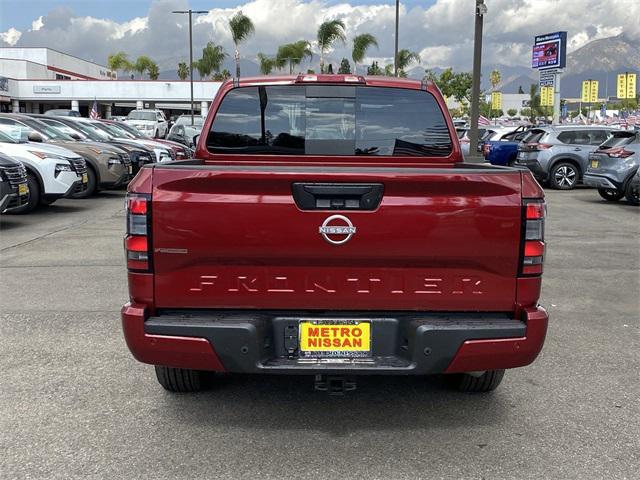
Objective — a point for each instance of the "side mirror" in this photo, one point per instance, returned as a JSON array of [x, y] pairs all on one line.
[[35, 137], [195, 140]]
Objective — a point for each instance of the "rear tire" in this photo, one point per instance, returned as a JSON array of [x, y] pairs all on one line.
[[34, 196], [611, 194], [486, 382], [632, 194], [181, 380], [564, 176]]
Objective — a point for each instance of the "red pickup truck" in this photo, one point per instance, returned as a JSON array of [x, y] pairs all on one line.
[[328, 226]]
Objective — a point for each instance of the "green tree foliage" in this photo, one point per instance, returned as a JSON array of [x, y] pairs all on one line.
[[293, 54], [512, 112], [362, 43], [153, 71], [241, 28], [142, 64], [119, 61], [451, 84], [212, 57], [374, 69], [495, 77], [405, 59], [329, 33], [183, 71], [266, 64], [345, 66]]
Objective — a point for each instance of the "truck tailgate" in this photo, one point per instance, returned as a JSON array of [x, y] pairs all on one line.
[[233, 237]]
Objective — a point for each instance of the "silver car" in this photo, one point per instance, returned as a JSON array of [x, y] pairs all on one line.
[[559, 155], [613, 165]]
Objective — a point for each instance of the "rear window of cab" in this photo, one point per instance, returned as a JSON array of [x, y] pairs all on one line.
[[329, 120]]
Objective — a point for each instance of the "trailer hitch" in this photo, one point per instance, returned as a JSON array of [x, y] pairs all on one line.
[[334, 384]]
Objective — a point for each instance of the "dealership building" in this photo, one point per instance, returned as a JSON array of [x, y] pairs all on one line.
[[35, 80]]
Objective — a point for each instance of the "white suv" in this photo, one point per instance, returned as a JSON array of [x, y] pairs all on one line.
[[52, 172], [151, 123]]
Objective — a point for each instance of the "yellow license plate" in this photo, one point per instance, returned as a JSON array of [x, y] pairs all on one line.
[[85, 178], [594, 163], [23, 189], [335, 338]]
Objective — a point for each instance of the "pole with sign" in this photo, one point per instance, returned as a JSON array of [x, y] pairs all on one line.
[[626, 86], [496, 102], [589, 94], [549, 56]]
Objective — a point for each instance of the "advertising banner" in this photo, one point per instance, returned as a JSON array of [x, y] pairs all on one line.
[[550, 51]]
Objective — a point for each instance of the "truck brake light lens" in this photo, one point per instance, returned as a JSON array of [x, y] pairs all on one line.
[[137, 242], [534, 247], [619, 152]]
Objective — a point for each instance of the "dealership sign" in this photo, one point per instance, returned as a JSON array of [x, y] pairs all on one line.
[[550, 51], [46, 89]]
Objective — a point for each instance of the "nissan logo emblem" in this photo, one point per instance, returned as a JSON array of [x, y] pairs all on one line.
[[337, 226]]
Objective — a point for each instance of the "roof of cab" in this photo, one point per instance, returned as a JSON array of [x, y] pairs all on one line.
[[346, 79]]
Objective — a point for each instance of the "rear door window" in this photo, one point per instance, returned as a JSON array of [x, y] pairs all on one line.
[[329, 120], [620, 139]]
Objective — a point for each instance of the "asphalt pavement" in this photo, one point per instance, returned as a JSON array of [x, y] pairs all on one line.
[[74, 403]]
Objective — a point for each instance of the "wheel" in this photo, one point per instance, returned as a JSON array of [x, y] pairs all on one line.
[[181, 380], [92, 185], [34, 195], [611, 194], [632, 194], [564, 176], [486, 382]]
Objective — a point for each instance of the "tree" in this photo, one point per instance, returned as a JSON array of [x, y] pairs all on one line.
[[404, 59], [374, 69], [534, 102], [183, 71], [388, 70], [212, 57], [241, 28], [495, 78], [266, 64], [456, 85], [153, 70], [142, 64], [222, 76], [293, 54], [345, 66], [200, 66], [329, 33], [361, 43], [525, 112], [512, 112], [119, 61]]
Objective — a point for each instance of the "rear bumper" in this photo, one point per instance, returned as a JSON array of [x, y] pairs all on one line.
[[599, 181], [405, 344], [536, 169]]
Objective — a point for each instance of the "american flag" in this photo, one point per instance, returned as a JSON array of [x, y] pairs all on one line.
[[632, 119], [484, 121], [94, 110]]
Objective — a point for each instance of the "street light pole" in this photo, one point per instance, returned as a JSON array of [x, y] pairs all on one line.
[[190, 12], [481, 10], [395, 55]]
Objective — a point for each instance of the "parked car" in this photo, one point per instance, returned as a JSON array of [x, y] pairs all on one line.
[[108, 166], [504, 150], [161, 146], [184, 130], [408, 262], [52, 172], [559, 155], [14, 189], [151, 123], [91, 130], [613, 165], [62, 112], [633, 190]]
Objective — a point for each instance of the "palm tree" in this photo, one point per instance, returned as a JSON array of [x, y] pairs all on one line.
[[329, 33], [119, 61], [154, 71], [495, 78], [201, 67], [361, 44], [406, 58], [241, 28], [293, 54], [142, 64], [266, 64], [212, 57], [183, 71]]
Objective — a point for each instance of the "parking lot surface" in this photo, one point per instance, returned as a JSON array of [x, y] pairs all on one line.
[[75, 404]]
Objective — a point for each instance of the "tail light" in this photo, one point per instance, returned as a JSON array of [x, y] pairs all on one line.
[[618, 152], [137, 242], [534, 211], [536, 147]]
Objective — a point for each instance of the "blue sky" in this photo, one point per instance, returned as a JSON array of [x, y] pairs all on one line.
[[20, 13]]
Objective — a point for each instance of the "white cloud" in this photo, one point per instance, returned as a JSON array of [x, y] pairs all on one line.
[[37, 24], [441, 33], [11, 36]]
